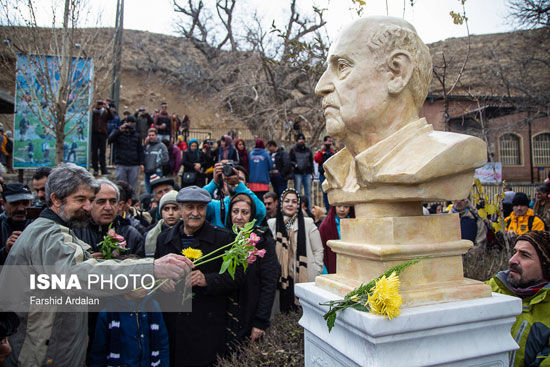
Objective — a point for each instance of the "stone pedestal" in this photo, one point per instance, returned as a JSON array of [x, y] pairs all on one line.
[[373, 243], [471, 333]]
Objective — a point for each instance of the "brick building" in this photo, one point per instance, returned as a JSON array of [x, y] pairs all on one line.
[[502, 96]]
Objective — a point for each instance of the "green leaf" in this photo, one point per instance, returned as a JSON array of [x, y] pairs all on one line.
[[331, 318], [225, 265]]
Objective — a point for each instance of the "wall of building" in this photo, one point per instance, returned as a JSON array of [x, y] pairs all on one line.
[[495, 127]]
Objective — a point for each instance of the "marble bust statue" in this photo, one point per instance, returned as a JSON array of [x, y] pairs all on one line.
[[377, 78]]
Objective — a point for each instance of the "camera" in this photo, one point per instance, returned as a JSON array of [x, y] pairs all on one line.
[[227, 168]]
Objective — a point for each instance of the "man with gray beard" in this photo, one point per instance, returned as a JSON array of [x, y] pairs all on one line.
[[60, 338]]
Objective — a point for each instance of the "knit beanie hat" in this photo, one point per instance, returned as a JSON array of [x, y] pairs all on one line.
[[520, 198], [541, 242], [168, 198]]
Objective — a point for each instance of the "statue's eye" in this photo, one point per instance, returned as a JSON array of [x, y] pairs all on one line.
[[343, 67]]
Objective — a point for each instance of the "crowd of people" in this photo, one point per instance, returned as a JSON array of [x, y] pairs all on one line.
[[160, 145], [222, 185], [520, 213]]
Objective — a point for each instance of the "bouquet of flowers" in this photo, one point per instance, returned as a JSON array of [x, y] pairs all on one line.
[[113, 244], [380, 296], [242, 251]]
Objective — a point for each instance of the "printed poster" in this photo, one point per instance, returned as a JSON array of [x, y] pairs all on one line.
[[34, 122]]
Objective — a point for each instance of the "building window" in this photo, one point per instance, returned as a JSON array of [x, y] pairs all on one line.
[[510, 150], [541, 150]]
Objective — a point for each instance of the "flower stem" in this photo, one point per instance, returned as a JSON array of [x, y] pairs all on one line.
[[205, 261], [161, 282], [216, 250]]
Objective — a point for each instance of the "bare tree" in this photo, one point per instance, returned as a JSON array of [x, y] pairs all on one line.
[[270, 76], [529, 13], [55, 54], [440, 67], [199, 29]]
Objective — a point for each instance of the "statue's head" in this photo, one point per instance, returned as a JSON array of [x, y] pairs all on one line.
[[377, 70]]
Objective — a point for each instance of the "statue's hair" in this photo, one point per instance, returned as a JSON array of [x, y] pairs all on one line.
[[389, 37]]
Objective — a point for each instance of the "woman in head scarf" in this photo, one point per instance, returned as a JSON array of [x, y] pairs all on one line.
[[298, 246], [330, 230], [226, 150], [243, 153], [256, 296], [193, 163]]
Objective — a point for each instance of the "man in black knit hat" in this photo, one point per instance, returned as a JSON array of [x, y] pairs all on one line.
[[528, 278]]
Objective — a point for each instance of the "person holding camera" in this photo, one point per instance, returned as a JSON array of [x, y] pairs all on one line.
[[321, 157], [143, 122], [13, 221], [101, 114], [128, 152], [230, 179]]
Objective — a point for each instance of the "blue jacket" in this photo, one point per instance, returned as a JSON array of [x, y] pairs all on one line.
[[259, 165], [138, 332], [213, 209]]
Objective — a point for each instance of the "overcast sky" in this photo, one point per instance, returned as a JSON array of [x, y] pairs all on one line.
[[430, 17]]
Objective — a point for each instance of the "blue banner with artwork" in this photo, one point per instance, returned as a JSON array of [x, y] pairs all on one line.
[[37, 87]]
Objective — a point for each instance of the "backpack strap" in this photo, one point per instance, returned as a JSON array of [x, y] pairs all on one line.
[[530, 221]]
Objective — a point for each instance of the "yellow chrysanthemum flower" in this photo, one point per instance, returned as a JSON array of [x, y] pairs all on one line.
[[192, 253], [385, 299]]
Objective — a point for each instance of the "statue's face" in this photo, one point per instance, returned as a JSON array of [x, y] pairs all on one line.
[[354, 85]]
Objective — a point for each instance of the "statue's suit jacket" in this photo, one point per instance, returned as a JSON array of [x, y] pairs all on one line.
[[408, 165]]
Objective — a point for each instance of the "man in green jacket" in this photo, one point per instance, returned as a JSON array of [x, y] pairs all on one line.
[[55, 338], [528, 278]]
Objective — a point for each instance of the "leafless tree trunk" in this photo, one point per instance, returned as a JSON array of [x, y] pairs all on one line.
[[270, 76]]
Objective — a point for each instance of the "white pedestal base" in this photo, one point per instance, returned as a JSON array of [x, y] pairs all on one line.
[[472, 333]]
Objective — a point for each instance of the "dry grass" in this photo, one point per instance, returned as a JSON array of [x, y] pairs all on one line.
[[482, 263], [282, 345]]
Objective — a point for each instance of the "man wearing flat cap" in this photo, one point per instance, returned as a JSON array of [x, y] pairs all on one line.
[[528, 278], [159, 187], [197, 337], [17, 198], [522, 219]]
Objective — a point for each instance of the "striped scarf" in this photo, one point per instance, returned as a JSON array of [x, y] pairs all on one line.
[[287, 251]]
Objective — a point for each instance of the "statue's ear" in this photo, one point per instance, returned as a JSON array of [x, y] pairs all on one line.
[[401, 67]]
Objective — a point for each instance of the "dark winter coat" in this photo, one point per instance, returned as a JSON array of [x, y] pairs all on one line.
[[188, 162], [93, 234], [321, 157], [100, 120], [258, 293], [283, 164], [143, 124], [155, 156], [7, 227], [197, 337], [163, 119], [302, 159], [127, 147], [233, 155]]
